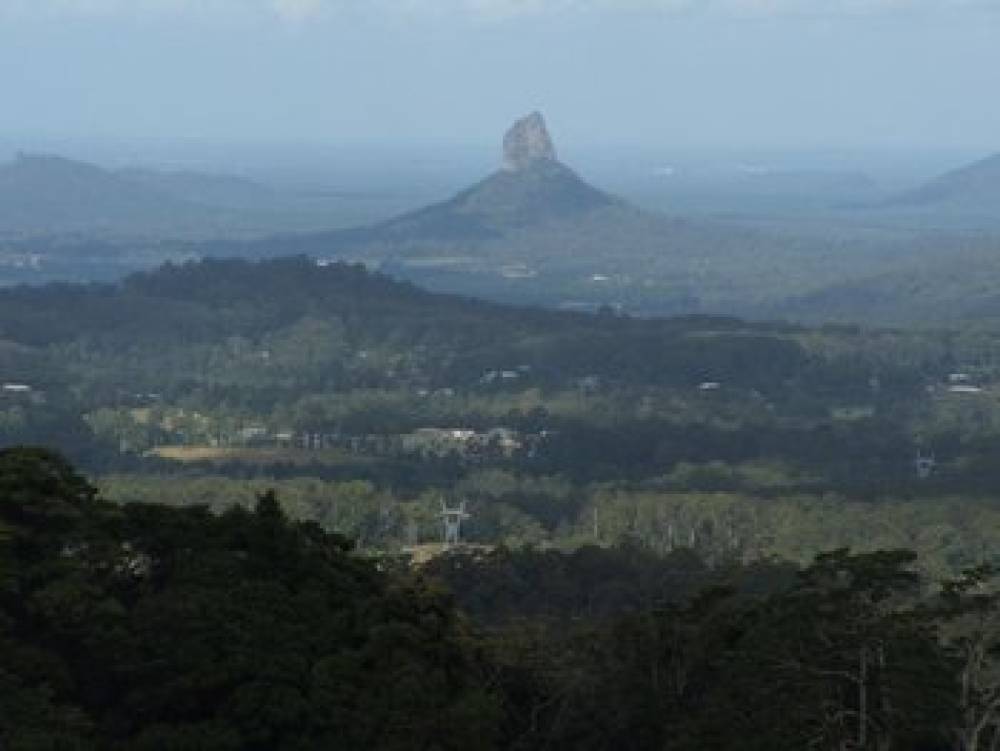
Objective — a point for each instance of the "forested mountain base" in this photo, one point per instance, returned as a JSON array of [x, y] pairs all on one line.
[[148, 627]]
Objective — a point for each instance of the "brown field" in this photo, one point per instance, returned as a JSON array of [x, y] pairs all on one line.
[[423, 554]]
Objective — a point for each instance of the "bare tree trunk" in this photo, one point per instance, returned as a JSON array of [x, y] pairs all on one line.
[[863, 698]]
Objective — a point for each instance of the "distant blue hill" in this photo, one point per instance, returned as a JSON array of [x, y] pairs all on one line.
[[974, 186], [54, 194]]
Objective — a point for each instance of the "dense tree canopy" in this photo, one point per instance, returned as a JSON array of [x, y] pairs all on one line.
[[150, 627]]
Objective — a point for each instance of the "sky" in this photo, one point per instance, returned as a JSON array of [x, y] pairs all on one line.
[[882, 74]]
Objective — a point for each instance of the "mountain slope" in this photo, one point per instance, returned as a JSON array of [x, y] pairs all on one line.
[[224, 191], [508, 199], [544, 195], [52, 194], [961, 285], [974, 186]]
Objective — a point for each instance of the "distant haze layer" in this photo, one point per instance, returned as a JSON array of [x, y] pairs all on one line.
[[864, 73]]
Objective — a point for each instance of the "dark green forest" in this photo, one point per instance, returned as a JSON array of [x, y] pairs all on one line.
[[149, 627]]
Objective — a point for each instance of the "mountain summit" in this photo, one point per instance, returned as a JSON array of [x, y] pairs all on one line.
[[535, 218], [528, 141], [531, 189]]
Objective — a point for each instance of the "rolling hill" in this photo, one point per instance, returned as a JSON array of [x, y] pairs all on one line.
[[52, 194], [959, 286], [975, 186], [44, 195], [204, 188]]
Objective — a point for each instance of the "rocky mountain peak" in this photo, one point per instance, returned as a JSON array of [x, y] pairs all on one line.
[[527, 142]]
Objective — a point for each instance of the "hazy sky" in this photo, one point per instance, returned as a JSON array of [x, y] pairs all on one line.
[[795, 73]]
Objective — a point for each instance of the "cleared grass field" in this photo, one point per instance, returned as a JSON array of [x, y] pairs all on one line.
[[226, 455]]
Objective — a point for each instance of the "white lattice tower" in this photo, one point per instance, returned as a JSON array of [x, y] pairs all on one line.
[[453, 518]]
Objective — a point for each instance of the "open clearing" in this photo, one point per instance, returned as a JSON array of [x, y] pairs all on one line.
[[225, 455]]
